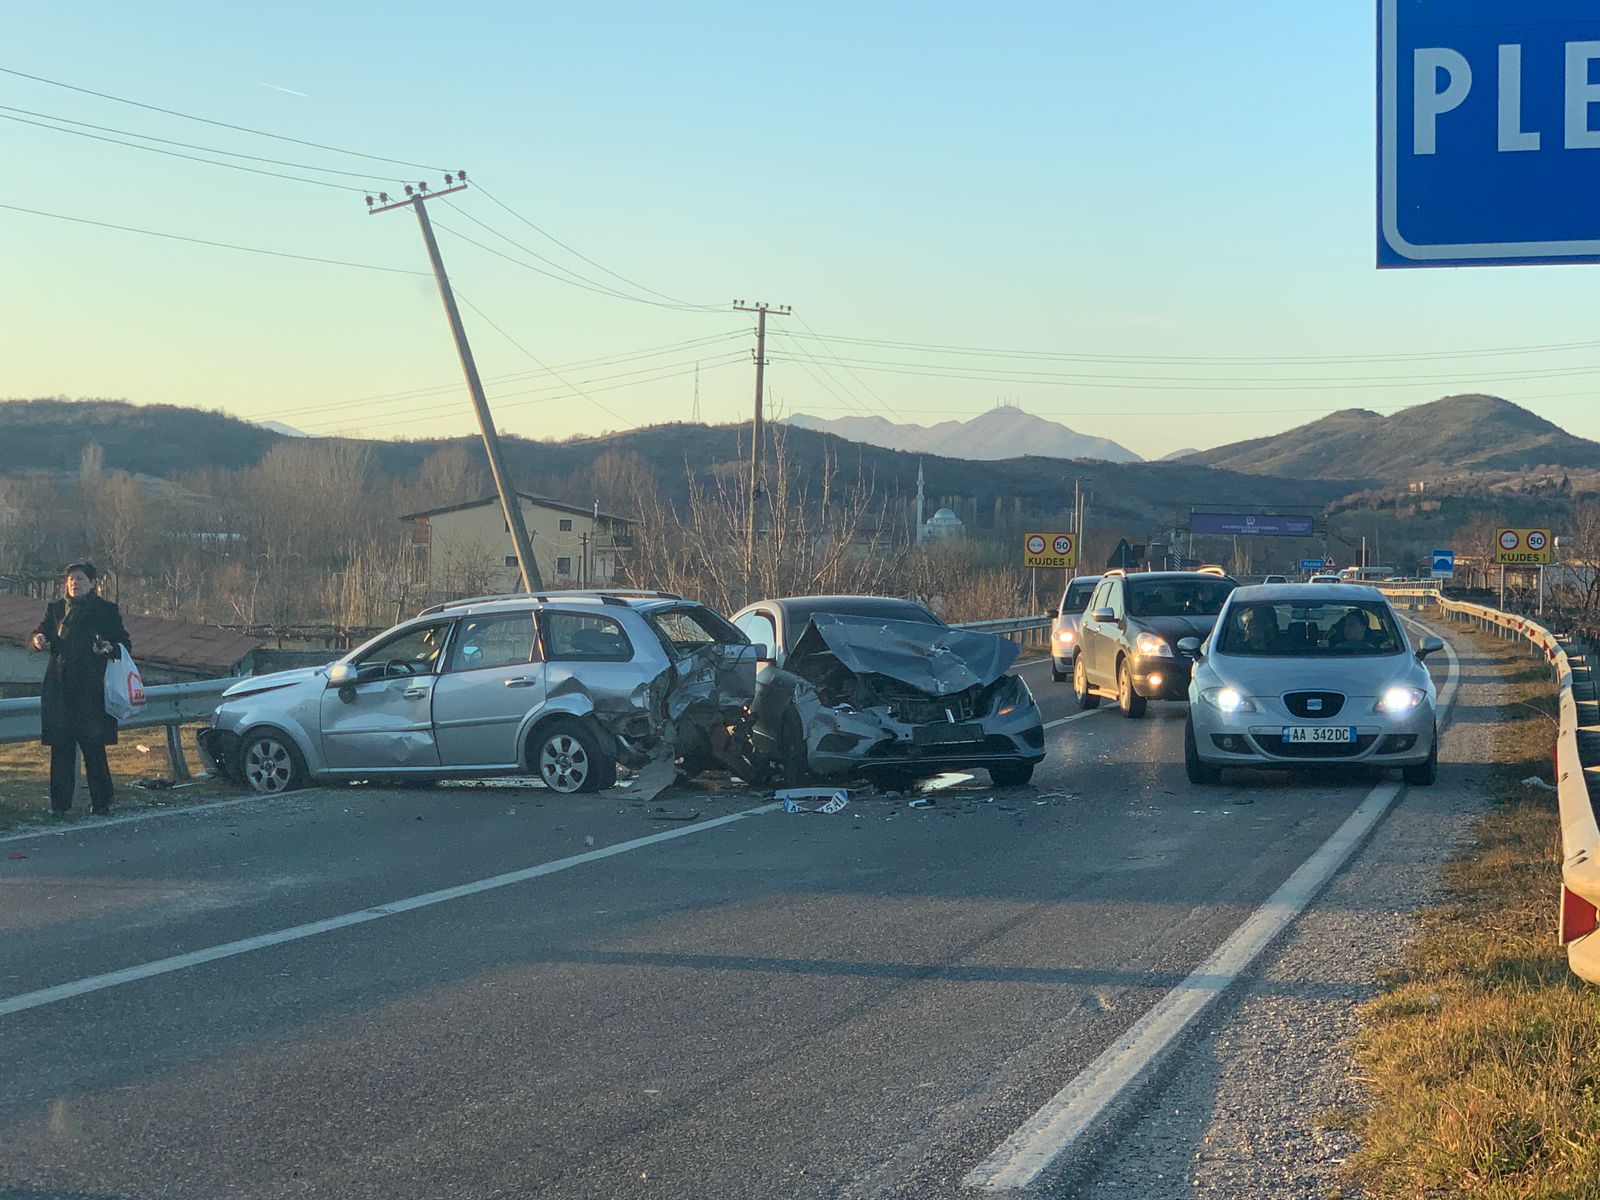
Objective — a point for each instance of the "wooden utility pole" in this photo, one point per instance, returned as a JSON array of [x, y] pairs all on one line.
[[509, 503], [757, 438]]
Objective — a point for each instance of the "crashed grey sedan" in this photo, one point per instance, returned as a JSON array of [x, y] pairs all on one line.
[[563, 686], [879, 687]]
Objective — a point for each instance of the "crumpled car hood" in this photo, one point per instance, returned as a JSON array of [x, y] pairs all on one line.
[[935, 659]]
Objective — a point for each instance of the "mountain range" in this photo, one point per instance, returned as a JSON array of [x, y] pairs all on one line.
[[1452, 436], [1002, 432]]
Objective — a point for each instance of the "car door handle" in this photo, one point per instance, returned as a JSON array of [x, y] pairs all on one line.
[[415, 693], [521, 681]]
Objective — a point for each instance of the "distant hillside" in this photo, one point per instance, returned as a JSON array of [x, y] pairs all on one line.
[[1448, 436], [1001, 433], [163, 440]]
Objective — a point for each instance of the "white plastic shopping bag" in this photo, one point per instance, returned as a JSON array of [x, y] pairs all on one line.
[[124, 688]]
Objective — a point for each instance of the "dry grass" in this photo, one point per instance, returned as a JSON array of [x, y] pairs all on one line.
[[25, 778], [1482, 1055]]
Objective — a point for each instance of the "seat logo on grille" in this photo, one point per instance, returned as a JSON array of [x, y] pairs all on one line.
[[1314, 704]]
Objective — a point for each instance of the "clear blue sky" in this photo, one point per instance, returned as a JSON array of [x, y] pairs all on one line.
[[1135, 182]]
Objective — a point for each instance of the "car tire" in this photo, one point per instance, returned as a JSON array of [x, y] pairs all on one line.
[[793, 768], [566, 755], [1424, 774], [1129, 701], [270, 763], [1011, 775], [1200, 773], [1080, 684]]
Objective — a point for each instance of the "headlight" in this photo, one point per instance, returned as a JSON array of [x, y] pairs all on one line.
[[1400, 700], [1228, 700], [1148, 645], [1064, 637], [1014, 694]]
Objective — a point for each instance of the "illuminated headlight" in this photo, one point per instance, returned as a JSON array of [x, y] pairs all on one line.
[[1013, 695], [1148, 645], [1400, 700], [1064, 637], [1228, 700]]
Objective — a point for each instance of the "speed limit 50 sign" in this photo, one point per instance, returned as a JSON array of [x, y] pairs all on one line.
[[1522, 547], [1049, 550]]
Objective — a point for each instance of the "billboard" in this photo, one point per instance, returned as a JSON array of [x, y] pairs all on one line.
[[1259, 524]]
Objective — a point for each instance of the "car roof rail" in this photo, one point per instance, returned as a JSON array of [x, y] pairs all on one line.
[[1116, 573], [614, 596]]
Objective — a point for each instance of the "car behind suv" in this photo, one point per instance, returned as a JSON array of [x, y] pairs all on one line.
[[1064, 630], [561, 685], [1127, 642]]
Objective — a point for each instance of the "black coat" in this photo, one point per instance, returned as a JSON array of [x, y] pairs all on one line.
[[74, 702]]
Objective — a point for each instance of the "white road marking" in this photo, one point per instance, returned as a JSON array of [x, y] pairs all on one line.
[[1077, 716], [158, 814], [1017, 1161], [181, 962]]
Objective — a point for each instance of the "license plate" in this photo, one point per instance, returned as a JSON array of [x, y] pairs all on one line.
[[946, 734], [1318, 733]]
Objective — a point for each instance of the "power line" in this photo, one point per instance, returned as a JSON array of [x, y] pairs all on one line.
[[178, 237], [581, 280], [1212, 383], [1191, 360], [513, 376], [526, 266], [535, 358], [597, 266], [211, 162], [172, 112], [278, 162]]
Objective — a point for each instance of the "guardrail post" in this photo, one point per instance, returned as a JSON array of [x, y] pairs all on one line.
[[180, 767]]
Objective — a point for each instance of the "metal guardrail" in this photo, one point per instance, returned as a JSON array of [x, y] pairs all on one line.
[[1580, 834], [166, 704], [1031, 633]]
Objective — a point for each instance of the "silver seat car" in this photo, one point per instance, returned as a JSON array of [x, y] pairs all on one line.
[[1064, 629], [1298, 674], [561, 685]]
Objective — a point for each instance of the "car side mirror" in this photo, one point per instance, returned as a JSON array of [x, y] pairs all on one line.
[[763, 652], [1103, 614], [1191, 646], [341, 675], [1430, 645]]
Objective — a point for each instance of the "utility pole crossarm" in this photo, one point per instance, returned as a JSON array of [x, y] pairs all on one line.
[[510, 503]]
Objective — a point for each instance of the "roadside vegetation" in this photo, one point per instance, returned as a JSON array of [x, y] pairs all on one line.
[[25, 779], [1482, 1054]]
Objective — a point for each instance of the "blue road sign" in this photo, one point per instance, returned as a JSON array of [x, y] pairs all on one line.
[[1311, 565], [1265, 524], [1488, 132], [1444, 564]]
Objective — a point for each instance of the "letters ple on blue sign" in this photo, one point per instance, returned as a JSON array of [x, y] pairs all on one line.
[[1488, 132]]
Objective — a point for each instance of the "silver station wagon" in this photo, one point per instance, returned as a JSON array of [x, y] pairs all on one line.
[[561, 685]]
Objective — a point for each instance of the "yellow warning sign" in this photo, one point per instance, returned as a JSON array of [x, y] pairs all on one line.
[[1050, 550], [1522, 547]]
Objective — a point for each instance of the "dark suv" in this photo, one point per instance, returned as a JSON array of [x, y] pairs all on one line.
[[1128, 639]]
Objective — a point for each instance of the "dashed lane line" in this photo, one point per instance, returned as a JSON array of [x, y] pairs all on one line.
[[182, 962]]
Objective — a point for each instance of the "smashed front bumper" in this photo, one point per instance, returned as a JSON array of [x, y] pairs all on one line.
[[219, 750]]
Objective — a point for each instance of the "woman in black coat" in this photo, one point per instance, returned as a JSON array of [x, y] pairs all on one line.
[[82, 633]]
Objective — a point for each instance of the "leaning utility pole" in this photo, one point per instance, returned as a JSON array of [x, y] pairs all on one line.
[[509, 502], [757, 438]]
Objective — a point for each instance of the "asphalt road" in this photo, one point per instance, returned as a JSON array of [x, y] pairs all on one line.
[[779, 1005]]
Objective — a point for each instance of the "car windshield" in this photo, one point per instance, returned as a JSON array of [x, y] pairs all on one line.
[[1302, 629], [1077, 597], [1177, 597]]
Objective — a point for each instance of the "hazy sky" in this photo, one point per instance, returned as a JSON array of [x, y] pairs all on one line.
[[1087, 191]]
